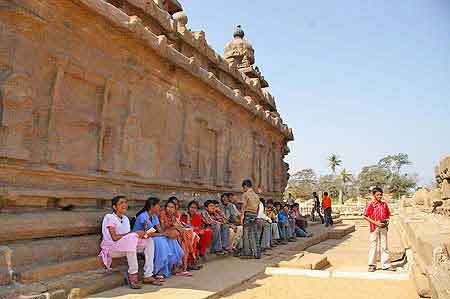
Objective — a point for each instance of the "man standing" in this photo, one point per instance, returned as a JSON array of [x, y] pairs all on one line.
[[316, 208], [249, 214], [377, 213], [266, 226], [326, 205]]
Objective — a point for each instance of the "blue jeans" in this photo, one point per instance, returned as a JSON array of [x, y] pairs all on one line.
[[220, 237], [300, 232], [283, 228]]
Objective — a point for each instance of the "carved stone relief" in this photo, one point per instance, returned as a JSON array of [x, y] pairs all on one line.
[[16, 114]]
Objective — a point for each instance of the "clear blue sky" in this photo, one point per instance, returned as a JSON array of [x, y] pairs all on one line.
[[358, 78]]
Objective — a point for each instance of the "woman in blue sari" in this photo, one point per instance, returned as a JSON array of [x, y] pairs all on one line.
[[168, 253]]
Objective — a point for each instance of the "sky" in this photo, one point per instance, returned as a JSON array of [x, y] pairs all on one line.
[[358, 78]]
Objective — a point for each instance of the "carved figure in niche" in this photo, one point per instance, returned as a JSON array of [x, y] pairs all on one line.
[[205, 156], [186, 163], [138, 152], [16, 112], [131, 136]]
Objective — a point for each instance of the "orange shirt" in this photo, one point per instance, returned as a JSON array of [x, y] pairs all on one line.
[[326, 202]]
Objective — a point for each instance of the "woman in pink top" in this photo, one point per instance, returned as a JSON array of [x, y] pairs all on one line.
[[119, 241]]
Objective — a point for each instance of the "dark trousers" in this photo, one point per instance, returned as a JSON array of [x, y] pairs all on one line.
[[313, 214], [328, 219], [251, 236]]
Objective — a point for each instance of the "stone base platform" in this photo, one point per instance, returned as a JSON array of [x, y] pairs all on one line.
[[76, 273]]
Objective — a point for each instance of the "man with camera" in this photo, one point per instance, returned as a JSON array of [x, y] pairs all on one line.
[[377, 213]]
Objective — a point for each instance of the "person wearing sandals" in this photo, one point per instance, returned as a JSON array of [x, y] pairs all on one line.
[[168, 253], [195, 220], [232, 216], [186, 237], [221, 232], [119, 241], [377, 213]]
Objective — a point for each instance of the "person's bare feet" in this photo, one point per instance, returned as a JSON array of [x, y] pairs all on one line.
[[372, 268]]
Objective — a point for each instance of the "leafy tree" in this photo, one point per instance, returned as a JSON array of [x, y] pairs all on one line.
[[345, 177], [401, 184], [302, 183], [333, 162], [372, 176], [328, 183], [394, 163]]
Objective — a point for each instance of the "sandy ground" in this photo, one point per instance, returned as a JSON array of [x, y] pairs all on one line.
[[348, 255], [288, 287]]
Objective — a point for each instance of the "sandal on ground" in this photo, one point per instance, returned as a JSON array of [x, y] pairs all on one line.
[[132, 280], [195, 267], [184, 273], [160, 278], [153, 281], [372, 269]]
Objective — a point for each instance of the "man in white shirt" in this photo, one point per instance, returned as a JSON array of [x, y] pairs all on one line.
[[266, 224]]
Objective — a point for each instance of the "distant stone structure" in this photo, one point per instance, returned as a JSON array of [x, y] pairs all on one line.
[[442, 173], [99, 98], [120, 96]]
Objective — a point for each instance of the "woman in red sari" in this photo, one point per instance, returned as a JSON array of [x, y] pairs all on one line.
[[186, 237], [195, 220]]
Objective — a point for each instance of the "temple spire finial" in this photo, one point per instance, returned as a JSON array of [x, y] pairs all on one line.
[[238, 32]]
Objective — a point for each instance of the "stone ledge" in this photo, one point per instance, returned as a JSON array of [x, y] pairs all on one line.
[[49, 224], [29, 253], [310, 261], [420, 282], [46, 272]]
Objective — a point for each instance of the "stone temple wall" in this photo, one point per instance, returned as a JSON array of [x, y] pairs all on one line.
[[105, 97]]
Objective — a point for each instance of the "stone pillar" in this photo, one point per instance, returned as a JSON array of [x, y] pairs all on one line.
[[55, 107], [104, 136]]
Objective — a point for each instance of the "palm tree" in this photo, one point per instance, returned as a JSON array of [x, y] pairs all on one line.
[[345, 178], [333, 162]]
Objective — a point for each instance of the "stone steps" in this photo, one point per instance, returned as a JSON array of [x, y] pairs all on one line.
[[26, 253], [50, 271], [75, 285], [49, 224]]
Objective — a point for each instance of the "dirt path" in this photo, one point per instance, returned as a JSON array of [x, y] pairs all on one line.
[[347, 256]]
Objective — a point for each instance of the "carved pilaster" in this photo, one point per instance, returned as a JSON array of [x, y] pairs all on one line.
[[220, 157], [55, 106], [104, 136]]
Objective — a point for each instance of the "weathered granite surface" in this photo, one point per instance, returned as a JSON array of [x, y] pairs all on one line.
[[103, 97]]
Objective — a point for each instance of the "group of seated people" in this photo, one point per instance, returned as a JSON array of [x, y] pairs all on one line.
[[174, 242]]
